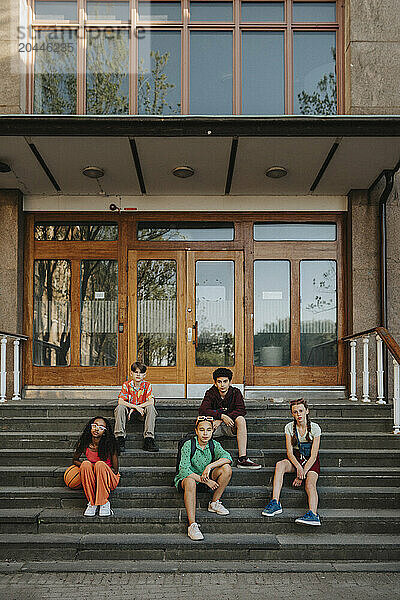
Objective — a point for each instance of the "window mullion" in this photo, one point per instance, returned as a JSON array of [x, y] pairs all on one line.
[[81, 60]]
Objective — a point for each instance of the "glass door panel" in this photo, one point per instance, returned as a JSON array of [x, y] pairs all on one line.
[[215, 317], [156, 332], [52, 313], [318, 325], [99, 313], [271, 313], [156, 312]]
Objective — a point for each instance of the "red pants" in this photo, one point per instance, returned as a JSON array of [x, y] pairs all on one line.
[[97, 480]]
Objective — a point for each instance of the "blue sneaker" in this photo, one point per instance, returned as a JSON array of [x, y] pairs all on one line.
[[272, 508], [309, 519]]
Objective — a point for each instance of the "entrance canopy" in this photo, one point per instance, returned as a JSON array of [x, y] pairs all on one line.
[[228, 155]]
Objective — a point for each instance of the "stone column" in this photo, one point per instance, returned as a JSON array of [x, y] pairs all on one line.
[[13, 30], [11, 270], [364, 274], [372, 57]]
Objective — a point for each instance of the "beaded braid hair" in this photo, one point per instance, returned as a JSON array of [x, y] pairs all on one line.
[[294, 403]]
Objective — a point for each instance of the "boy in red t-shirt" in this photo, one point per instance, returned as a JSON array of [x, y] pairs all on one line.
[[136, 399]]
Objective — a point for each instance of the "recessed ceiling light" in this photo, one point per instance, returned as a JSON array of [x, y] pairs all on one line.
[[276, 172], [183, 172], [4, 167], [93, 172]]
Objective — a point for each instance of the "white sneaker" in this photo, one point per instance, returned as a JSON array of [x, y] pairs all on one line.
[[194, 532], [90, 510], [218, 508], [105, 510]]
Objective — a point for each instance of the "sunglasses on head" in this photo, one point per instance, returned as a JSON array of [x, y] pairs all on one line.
[[200, 419], [99, 427]]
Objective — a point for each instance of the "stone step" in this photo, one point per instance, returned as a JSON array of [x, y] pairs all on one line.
[[346, 457], [189, 409], [205, 566], [50, 476], [169, 497], [182, 425], [51, 439], [165, 547], [148, 520]]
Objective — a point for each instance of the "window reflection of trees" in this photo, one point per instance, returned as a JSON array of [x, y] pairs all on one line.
[[319, 315], [99, 314], [76, 232], [323, 100], [52, 313], [156, 312], [55, 72]]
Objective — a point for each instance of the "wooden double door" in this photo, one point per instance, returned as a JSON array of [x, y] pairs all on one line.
[[186, 314]]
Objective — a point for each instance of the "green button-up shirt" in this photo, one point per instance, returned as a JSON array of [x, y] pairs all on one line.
[[201, 458]]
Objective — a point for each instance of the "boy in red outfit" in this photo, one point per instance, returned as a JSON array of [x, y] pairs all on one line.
[[136, 400]]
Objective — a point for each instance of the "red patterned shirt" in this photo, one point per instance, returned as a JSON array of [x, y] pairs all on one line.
[[135, 395]]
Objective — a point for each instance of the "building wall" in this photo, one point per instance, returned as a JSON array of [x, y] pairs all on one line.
[[13, 13], [393, 260], [372, 57], [11, 269]]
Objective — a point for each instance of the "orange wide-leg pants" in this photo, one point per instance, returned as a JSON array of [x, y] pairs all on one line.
[[97, 480]]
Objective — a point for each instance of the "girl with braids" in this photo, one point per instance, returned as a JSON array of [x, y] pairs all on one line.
[[99, 474], [302, 445]]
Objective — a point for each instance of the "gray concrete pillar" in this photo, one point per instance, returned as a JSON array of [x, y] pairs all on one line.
[[11, 270]]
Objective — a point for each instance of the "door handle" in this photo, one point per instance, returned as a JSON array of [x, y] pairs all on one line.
[[196, 331], [189, 334]]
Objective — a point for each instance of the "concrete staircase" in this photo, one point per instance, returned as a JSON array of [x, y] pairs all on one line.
[[41, 521]]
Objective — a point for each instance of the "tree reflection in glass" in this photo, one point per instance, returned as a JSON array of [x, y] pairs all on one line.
[[215, 313], [55, 72], [99, 313], [52, 313], [159, 73], [156, 312], [107, 66], [315, 86]]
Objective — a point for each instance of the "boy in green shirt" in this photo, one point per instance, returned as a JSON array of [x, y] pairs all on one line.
[[200, 470]]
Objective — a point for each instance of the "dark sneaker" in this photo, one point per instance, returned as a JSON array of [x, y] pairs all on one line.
[[121, 443], [309, 519], [149, 445], [272, 508], [246, 463]]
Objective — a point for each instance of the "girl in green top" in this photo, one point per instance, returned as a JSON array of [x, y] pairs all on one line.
[[200, 470]]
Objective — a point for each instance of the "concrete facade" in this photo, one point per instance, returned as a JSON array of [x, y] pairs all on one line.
[[372, 57], [372, 84], [11, 270]]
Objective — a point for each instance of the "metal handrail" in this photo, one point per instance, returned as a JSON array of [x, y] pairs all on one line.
[[3, 364]]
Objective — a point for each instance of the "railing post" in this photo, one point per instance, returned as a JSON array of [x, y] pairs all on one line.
[[379, 371], [3, 372], [396, 397], [366, 397], [17, 395], [353, 371]]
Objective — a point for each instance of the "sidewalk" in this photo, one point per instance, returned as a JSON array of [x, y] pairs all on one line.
[[197, 586]]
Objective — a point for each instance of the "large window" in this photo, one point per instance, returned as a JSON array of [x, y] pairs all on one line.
[[202, 57]]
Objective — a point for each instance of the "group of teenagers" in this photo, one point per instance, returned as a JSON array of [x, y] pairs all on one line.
[[203, 465]]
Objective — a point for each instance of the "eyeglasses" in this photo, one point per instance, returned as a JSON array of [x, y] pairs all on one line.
[[199, 419], [99, 427]]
